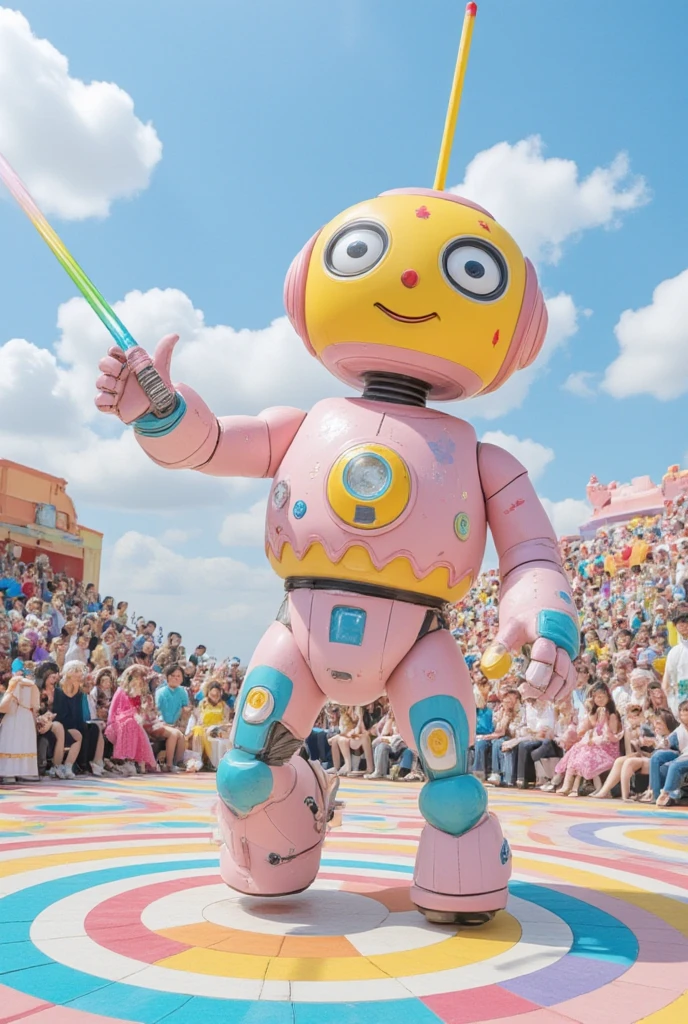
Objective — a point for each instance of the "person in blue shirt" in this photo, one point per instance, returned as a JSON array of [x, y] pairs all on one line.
[[669, 768], [171, 699], [12, 588], [484, 723], [24, 652], [93, 603]]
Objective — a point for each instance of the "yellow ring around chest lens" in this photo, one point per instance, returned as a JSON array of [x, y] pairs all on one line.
[[369, 486]]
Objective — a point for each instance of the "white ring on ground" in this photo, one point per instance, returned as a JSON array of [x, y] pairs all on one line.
[[81, 953]]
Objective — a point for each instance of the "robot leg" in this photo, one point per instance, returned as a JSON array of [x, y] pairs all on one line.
[[463, 862], [274, 805]]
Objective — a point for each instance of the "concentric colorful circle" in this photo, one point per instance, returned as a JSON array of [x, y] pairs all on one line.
[[112, 909]]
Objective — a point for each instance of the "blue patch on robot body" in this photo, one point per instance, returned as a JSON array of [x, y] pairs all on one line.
[[299, 510], [443, 450], [347, 625], [561, 630], [565, 597], [505, 852]]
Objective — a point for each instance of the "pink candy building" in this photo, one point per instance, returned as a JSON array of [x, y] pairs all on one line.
[[619, 503]]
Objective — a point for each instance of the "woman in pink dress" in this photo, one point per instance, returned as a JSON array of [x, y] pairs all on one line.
[[598, 747], [124, 727]]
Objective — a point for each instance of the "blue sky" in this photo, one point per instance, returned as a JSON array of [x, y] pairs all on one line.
[[273, 117]]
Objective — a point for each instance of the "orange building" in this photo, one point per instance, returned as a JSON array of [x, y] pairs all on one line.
[[38, 516]]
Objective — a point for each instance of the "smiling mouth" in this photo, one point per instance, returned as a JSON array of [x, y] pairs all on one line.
[[406, 319]]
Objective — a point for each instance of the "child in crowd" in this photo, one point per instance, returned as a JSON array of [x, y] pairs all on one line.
[[212, 719], [172, 702], [130, 743]]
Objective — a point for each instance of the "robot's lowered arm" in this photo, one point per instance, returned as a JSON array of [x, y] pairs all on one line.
[[536, 606]]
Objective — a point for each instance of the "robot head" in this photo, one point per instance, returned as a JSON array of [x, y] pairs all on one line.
[[422, 283]]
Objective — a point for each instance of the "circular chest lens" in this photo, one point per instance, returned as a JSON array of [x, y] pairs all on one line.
[[367, 477]]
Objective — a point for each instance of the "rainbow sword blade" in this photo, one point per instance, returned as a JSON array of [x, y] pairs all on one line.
[[161, 397]]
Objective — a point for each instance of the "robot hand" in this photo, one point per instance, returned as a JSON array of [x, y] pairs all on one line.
[[119, 392], [550, 674]]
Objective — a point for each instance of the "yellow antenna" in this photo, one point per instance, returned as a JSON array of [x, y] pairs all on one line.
[[455, 97]]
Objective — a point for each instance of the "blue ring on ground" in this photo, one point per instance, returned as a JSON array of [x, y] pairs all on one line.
[[586, 832], [597, 937]]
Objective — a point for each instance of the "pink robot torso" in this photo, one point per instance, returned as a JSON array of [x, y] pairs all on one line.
[[424, 534]]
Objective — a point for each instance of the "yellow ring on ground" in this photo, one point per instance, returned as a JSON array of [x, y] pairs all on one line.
[[458, 951], [654, 837]]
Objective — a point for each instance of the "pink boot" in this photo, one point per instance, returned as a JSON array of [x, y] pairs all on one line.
[[274, 850], [462, 878]]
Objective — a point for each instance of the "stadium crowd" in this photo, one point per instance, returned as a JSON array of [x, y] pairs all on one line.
[[85, 687]]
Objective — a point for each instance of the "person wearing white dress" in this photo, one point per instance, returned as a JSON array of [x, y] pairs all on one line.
[[18, 748]]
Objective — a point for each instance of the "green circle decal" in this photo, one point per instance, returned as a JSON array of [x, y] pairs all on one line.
[[462, 526]]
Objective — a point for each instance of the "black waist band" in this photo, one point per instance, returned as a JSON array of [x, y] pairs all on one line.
[[364, 589]]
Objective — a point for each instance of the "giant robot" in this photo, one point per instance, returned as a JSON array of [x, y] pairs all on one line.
[[377, 518]]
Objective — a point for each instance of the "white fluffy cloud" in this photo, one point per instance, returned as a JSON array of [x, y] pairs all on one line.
[[580, 384], [653, 345], [66, 435], [245, 529], [236, 371], [79, 146], [542, 201], [534, 456], [175, 536], [52, 433], [207, 599], [563, 324], [567, 515]]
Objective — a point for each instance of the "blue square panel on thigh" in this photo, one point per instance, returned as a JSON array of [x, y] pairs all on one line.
[[347, 625]]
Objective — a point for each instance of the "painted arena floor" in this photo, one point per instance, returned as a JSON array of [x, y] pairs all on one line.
[[111, 909]]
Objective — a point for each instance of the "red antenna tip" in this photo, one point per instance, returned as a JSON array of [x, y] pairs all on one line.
[[472, 10]]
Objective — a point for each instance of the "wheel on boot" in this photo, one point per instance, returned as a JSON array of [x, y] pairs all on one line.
[[468, 920]]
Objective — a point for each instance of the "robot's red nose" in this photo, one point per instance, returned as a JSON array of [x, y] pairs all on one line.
[[409, 278]]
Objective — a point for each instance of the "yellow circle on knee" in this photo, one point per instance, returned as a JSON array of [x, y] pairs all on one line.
[[257, 698], [438, 742]]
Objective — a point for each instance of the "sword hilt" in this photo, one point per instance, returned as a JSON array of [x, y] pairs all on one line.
[[163, 399]]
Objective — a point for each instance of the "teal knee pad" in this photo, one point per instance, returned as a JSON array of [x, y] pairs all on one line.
[[265, 695], [243, 782], [454, 804], [440, 727]]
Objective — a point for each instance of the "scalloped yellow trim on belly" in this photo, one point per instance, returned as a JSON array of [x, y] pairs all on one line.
[[356, 566]]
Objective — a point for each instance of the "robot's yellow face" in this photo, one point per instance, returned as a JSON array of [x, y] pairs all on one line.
[[419, 274]]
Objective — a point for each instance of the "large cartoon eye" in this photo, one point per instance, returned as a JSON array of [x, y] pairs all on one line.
[[475, 269], [356, 249]]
